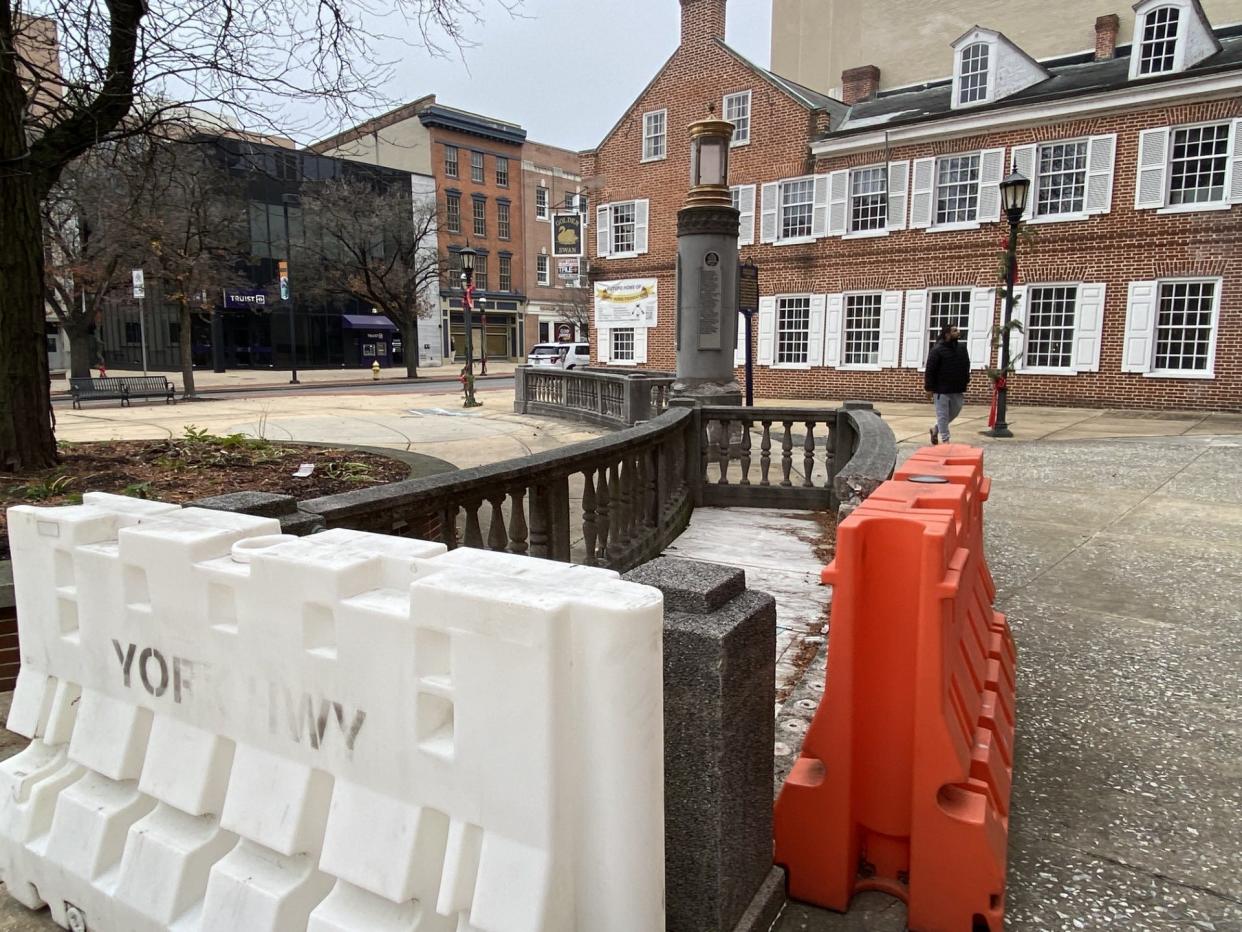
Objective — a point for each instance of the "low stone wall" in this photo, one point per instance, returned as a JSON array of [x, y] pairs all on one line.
[[608, 397]]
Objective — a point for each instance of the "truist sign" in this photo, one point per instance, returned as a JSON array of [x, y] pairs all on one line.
[[236, 298]]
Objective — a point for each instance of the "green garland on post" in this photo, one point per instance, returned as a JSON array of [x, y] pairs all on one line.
[[1027, 239]]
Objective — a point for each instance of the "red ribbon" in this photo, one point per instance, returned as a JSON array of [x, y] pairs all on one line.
[[997, 387]]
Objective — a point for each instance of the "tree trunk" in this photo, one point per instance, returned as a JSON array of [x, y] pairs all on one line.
[[27, 441], [409, 340], [81, 349], [187, 349]]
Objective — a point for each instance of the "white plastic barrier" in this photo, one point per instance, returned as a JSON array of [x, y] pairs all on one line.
[[235, 731]]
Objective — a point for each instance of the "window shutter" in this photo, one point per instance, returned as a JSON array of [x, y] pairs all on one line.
[[819, 212], [1024, 163], [1088, 326], [603, 231], [923, 198], [979, 328], [603, 345], [770, 203], [890, 328], [838, 200], [1235, 162], [914, 338], [815, 336], [746, 215], [1153, 159], [1140, 326], [640, 225], [1017, 338], [640, 344], [1101, 151], [767, 331], [991, 171], [898, 194], [739, 347], [835, 321]]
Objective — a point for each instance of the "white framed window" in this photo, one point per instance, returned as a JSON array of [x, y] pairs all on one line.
[[476, 167], [1192, 167], [621, 229], [655, 135], [974, 69], [868, 199], [1157, 40], [541, 203], [621, 344], [543, 275], [947, 306], [793, 330], [1049, 327], [1070, 178], [861, 334], [797, 199], [1171, 328], [736, 110], [957, 189]]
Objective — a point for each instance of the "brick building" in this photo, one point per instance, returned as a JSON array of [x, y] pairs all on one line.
[[558, 300], [877, 218]]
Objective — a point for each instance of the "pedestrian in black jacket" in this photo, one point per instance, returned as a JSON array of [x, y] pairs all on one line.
[[945, 378]]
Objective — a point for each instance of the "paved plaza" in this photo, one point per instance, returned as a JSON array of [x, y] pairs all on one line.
[[1116, 542]]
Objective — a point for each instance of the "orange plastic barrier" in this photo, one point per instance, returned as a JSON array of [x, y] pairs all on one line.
[[904, 780]]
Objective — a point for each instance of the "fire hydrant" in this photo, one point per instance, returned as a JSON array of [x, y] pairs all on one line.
[[375, 370]]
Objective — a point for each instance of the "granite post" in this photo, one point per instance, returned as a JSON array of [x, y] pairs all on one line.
[[719, 733]]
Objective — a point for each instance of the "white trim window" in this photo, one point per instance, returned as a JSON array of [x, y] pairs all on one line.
[[793, 330], [948, 306], [1048, 327], [736, 110], [957, 189], [861, 331], [1171, 328], [541, 203], [973, 74], [655, 135], [1071, 179], [869, 199], [1193, 167], [1157, 41], [543, 274], [797, 204], [622, 344], [621, 230]]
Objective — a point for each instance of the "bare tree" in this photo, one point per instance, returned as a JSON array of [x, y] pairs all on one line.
[[124, 68], [377, 245]]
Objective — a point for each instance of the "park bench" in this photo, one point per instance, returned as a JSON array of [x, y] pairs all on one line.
[[122, 387]]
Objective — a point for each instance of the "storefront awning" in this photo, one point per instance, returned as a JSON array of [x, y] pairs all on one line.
[[367, 322]]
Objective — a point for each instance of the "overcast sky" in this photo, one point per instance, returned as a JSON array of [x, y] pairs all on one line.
[[567, 69]]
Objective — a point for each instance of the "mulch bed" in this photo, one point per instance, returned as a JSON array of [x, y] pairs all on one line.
[[195, 466]]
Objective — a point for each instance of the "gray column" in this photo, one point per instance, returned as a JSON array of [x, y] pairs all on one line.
[[719, 731], [707, 304]]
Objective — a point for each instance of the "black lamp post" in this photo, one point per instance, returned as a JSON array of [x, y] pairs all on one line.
[[467, 299], [1014, 191]]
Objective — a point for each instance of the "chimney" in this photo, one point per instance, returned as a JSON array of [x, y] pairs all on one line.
[[1106, 28], [702, 21], [859, 84]]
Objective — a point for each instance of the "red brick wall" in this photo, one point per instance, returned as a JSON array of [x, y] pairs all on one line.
[[1115, 248]]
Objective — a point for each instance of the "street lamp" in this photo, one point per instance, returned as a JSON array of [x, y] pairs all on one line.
[[1014, 191], [282, 274], [467, 299]]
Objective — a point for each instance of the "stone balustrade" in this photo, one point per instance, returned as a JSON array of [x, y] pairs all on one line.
[[608, 397]]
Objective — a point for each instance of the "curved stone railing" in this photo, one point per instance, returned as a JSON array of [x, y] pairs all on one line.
[[619, 500], [607, 397]]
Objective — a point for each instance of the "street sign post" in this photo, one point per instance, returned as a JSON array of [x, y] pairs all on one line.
[[282, 275], [748, 307], [140, 291]]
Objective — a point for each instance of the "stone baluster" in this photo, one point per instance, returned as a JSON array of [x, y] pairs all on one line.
[[603, 508], [448, 527], [589, 521], [808, 456], [497, 536], [828, 454], [786, 454], [625, 473], [474, 534], [651, 466], [745, 453], [517, 521], [539, 522], [765, 453], [725, 429], [616, 516]]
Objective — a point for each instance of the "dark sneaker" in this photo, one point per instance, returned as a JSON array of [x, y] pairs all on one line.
[[934, 439]]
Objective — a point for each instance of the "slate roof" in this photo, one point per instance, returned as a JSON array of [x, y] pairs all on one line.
[[1071, 77]]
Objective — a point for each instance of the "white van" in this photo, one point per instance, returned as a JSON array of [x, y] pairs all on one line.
[[561, 355]]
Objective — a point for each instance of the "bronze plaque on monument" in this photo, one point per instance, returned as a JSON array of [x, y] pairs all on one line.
[[709, 301]]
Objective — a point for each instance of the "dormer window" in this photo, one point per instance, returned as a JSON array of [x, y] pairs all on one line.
[[1158, 45], [1169, 37], [973, 74]]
